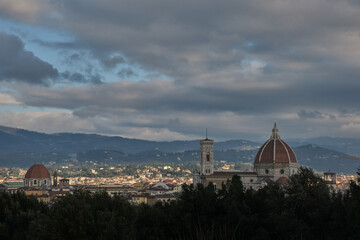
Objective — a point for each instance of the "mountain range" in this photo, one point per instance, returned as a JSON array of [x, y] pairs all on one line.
[[19, 147]]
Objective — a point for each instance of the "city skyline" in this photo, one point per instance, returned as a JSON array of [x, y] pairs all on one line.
[[165, 70]]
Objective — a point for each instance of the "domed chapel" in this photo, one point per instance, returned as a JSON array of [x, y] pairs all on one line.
[[37, 176], [275, 160]]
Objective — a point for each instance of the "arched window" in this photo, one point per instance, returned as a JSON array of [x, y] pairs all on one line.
[[267, 171], [282, 171], [45, 181], [35, 181]]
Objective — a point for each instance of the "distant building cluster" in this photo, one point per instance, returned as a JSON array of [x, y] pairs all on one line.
[[46, 188], [39, 183]]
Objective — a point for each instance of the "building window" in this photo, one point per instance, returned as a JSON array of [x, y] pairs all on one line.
[[214, 186], [208, 157], [26, 182], [45, 181], [282, 171], [35, 182], [251, 180], [267, 171]]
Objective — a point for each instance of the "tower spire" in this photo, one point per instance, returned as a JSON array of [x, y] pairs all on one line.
[[206, 134], [275, 132]]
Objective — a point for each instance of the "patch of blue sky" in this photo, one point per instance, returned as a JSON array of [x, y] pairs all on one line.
[[30, 33], [34, 37], [86, 64], [31, 36]]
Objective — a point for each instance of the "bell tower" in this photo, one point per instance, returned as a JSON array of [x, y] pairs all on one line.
[[206, 156], [55, 179]]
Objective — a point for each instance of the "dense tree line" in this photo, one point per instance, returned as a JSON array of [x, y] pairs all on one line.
[[304, 209]]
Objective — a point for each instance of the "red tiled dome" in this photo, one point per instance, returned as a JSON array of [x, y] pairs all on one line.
[[275, 150], [37, 171], [283, 181]]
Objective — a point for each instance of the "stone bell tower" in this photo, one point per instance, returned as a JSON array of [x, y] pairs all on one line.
[[206, 156]]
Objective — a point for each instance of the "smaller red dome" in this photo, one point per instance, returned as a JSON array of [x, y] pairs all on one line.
[[283, 181], [37, 171]]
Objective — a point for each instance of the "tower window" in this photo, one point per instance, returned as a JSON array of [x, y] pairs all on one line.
[[208, 157]]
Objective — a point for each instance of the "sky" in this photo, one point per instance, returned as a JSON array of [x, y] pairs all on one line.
[[167, 70]]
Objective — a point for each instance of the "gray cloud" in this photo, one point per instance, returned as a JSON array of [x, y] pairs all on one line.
[[292, 60], [126, 72], [26, 10], [303, 114], [74, 58], [80, 78], [17, 64], [165, 95], [112, 61], [189, 38], [64, 45]]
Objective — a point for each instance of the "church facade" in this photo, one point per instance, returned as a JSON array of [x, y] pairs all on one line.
[[275, 161]]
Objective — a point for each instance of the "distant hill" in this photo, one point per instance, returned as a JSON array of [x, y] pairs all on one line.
[[20, 147], [14, 140], [349, 146], [18, 140], [323, 159]]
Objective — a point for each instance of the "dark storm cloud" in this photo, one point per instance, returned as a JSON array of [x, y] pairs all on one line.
[[17, 64]]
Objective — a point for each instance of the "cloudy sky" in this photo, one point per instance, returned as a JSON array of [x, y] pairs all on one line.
[[166, 70]]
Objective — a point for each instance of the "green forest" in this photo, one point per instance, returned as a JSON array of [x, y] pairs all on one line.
[[305, 209]]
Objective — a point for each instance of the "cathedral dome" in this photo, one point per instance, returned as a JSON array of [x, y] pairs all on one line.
[[37, 171], [275, 150]]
